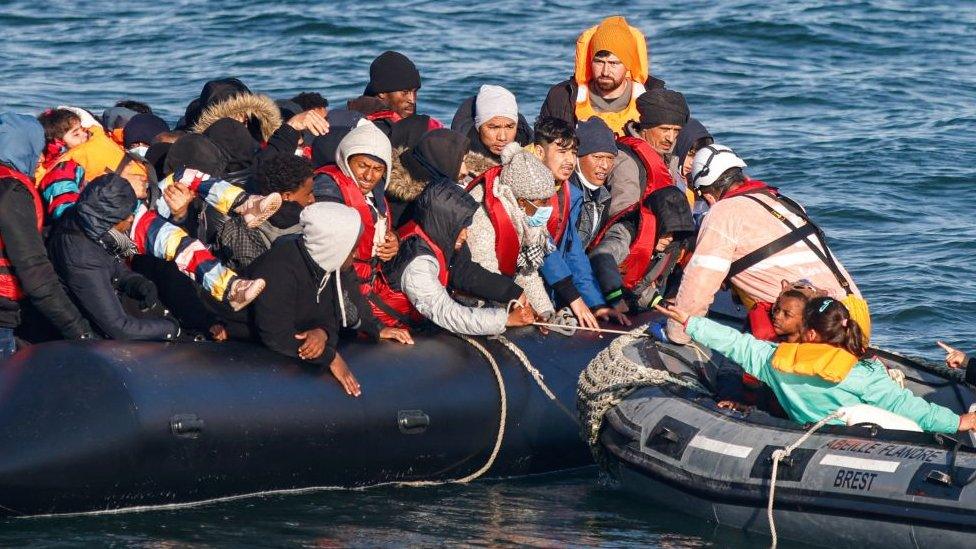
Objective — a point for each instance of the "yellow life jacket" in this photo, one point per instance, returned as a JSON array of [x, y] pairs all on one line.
[[97, 156], [638, 75], [814, 359]]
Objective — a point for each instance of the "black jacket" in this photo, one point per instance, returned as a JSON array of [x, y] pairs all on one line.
[[561, 100], [25, 250], [93, 275], [443, 209], [291, 301]]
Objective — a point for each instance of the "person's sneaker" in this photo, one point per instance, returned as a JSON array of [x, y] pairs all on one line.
[[243, 291], [257, 208]]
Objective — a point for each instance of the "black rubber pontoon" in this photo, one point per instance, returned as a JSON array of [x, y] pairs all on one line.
[[109, 425]]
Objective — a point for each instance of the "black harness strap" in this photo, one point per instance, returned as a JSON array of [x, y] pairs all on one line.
[[770, 249], [796, 235], [385, 307]]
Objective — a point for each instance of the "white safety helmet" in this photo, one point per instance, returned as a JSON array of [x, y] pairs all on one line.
[[711, 162]]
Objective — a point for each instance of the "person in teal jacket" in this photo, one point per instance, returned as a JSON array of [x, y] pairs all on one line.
[[824, 372]]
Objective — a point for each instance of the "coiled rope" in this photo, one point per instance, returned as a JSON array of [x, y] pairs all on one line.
[[783, 453]]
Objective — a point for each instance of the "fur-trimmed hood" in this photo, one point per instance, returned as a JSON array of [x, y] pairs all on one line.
[[255, 108], [402, 185], [478, 163]]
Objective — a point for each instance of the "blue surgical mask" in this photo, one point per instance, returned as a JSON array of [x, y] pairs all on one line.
[[540, 217]]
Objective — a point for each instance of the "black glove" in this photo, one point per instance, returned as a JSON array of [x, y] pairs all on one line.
[[142, 290]]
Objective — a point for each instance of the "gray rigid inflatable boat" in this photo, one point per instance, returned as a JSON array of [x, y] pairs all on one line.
[[846, 485]]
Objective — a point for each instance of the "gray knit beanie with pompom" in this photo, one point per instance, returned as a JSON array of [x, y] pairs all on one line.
[[525, 174]]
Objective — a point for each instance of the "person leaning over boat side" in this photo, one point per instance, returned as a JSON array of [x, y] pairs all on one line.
[[827, 370], [434, 260], [611, 72], [623, 249], [747, 218], [27, 278], [577, 208], [392, 92], [491, 120], [301, 310], [508, 232]]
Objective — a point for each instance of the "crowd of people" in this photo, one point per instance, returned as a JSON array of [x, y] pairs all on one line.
[[296, 223]]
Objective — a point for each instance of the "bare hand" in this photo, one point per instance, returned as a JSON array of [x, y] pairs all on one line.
[[622, 306], [967, 422], [389, 248], [178, 197], [954, 357], [340, 370], [607, 313], [583, 314], [218, 332], [673, 313], [314, 344], [311, 121], [520, 316], [397, 334], [736, 407]]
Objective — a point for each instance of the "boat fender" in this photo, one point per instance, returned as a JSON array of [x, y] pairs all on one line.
[[865, 413]]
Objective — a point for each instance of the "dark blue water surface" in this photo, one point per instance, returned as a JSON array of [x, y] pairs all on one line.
[[864, 111]]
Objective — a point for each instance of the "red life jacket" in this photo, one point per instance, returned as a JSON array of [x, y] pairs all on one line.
[[560, 212], [506, 238], [392, 307], [353, 197], [642, 247], [10, 287], [393, 117], [390, 115], [752, 186]]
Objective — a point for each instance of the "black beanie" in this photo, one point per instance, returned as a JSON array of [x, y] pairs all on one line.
[[594, 137], [196, 151], [392, 71], [143, 128], [661, 106]]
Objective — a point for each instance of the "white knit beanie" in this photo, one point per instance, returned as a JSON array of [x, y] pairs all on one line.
[[494, 101], [525, 174]]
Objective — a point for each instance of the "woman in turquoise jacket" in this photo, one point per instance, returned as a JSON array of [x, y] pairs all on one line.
[[824, 372]]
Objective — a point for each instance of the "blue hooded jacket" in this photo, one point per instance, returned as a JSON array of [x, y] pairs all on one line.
[[569, 258], [21, 142]]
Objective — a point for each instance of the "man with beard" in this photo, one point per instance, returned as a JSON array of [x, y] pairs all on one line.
[[612, 71], [391, 94]]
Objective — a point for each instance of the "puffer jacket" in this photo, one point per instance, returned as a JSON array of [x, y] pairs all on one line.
[[94, 276]]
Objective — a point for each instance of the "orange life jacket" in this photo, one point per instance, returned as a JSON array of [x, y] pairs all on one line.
[[583, 75], [10, 287], [506, 238], [642, 246]]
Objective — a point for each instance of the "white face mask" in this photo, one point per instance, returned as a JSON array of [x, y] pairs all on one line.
[[140, 150], [300, 151]]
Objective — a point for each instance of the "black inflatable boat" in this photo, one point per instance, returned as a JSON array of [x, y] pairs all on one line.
[[110, 425], [858, 485]]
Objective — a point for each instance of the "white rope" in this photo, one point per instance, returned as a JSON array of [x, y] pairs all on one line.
[[785, 453], [502, 418], [536, 375], [584, 328]]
